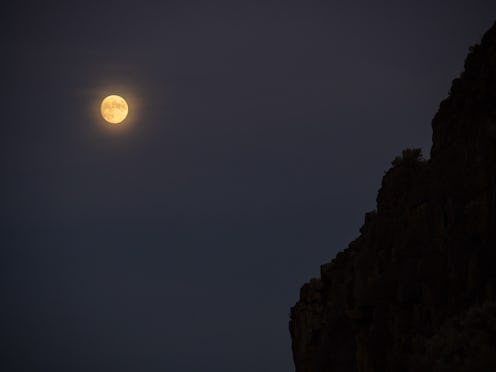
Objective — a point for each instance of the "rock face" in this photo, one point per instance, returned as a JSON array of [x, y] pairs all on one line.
[[417, 289]]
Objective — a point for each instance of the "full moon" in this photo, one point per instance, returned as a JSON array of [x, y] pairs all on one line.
[[114, 109]]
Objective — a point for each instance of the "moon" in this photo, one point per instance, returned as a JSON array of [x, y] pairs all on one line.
[[114, 109]]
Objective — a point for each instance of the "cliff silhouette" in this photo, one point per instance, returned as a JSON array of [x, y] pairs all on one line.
[[417, 289]]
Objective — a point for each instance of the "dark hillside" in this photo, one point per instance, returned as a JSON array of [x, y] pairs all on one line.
[[417, 289]]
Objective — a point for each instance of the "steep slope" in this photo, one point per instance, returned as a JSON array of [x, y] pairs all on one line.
[[417, 289]]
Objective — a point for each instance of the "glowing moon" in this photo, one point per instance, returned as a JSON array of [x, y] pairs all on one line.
[[114, 109]]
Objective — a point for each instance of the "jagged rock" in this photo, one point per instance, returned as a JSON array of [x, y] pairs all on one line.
[[417, 289]]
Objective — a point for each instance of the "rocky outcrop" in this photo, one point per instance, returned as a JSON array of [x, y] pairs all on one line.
[[417, 289]]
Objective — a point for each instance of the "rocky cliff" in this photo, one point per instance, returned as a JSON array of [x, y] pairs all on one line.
[[417, 289]]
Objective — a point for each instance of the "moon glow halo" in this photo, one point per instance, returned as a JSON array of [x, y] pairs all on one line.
[[114, 109]]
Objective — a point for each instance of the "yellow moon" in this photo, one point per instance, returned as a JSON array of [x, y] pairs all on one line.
[[114, 109]]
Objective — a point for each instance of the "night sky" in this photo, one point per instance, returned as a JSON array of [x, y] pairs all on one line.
[[257, 138]]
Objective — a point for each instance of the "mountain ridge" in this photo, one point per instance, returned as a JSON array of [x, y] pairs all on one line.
[[417, 289]]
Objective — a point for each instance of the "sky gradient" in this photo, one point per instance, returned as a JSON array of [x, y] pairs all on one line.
[[257, 138]]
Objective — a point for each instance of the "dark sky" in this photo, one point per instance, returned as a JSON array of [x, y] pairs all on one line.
[[257, 139]]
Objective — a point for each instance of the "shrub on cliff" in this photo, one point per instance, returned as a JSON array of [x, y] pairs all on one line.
[[409, 156]]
